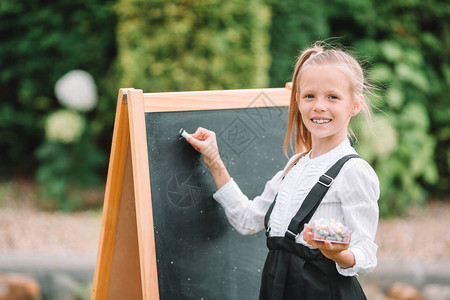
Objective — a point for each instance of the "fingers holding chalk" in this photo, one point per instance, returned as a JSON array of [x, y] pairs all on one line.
[[201, 138], [184, 134]]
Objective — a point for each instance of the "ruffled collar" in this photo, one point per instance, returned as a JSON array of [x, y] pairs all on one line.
[[342, 148]]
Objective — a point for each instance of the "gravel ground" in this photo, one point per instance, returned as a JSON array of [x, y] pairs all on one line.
[[421, 235], [28, 229]]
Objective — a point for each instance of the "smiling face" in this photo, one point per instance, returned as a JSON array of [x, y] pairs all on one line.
[[326, 102]]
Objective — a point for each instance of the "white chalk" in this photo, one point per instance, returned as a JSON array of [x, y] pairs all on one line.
[[183, 133]]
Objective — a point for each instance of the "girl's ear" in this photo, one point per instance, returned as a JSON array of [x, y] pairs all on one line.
[[358, 105]]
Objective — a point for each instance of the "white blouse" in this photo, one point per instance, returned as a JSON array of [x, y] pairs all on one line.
[[351, 200]]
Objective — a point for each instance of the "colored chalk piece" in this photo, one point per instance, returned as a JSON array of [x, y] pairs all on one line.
[[331, 230]]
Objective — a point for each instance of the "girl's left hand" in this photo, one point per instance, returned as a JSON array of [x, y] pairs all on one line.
[[333, 251]]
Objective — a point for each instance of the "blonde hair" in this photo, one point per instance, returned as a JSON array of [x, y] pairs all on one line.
[[297, 134]]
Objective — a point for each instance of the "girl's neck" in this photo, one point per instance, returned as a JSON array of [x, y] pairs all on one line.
[[320, 147]]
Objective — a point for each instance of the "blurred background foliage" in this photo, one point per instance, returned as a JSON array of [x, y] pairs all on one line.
[[193, 45], [197, 45]]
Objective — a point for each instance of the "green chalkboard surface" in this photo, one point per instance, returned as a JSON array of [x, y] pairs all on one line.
[[199, 254]]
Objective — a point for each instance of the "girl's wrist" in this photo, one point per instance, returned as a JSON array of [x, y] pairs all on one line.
[[215, 163], [345, 259], [219, 172]]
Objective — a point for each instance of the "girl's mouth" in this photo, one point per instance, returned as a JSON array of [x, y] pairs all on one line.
[[321, 121]]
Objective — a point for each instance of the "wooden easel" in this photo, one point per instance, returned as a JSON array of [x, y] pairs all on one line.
[[127, 261]]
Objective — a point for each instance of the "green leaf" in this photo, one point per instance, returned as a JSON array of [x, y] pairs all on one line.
[[381, 72], [414, 116], [446, 71], [412, 75], [392, 51], [395, 96]]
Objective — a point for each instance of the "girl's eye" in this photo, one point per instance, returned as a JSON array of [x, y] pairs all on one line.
[[333, 97], [309, 96]]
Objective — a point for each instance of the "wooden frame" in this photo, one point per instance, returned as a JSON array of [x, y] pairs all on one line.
[[126, 265]]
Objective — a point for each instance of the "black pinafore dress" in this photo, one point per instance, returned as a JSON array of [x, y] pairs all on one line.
[[295, 272]]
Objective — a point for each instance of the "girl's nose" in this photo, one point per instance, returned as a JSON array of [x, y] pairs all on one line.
[[319, 105]]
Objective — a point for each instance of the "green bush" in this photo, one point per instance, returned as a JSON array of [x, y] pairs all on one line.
[[412, 161], [295, 25], [41, 41], [192, 45], [66, 166]]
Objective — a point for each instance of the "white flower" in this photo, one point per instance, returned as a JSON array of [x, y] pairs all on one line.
[[64, 126], [77, 90]]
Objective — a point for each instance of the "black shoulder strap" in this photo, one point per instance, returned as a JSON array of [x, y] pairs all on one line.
[[314, 198]]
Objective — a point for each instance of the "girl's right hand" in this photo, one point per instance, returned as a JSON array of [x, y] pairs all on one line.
[[204, 141]]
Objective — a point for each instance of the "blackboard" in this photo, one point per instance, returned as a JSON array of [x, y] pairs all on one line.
[[199, 255], [163, 236]]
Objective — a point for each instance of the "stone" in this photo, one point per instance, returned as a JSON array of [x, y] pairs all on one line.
[[402, 291], [18, 287], [372, 291], [436, 292]]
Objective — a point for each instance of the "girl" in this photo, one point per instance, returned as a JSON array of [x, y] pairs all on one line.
[[328, 89]]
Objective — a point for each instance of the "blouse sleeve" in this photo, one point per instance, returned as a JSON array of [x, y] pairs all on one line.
[[247, 216], [359, 198]]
